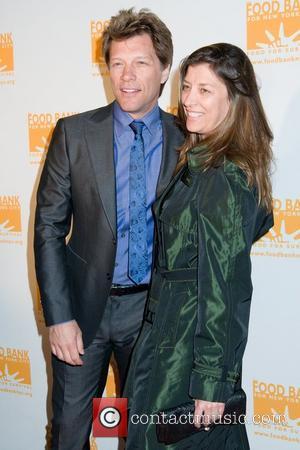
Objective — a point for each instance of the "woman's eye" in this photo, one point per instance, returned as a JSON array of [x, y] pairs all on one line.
[[185, 87], [203, 91]]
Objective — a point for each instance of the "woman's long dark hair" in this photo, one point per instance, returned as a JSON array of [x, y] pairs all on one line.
[[244, 136]]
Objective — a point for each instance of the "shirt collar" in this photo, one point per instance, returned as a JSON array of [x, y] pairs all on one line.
[[122, 119]]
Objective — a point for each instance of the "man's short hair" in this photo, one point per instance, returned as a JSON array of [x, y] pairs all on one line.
[[128, 23]]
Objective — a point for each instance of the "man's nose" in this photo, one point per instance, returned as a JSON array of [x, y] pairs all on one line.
[[128, 72]]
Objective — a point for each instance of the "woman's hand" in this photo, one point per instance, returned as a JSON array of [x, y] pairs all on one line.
[[207, 412]]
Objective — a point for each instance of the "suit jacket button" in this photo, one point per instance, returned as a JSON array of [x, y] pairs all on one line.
[[108, 276], [114, 241]]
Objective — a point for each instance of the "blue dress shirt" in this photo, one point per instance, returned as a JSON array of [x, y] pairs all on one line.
[[123, 140]]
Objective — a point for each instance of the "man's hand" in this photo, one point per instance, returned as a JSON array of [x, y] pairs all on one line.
[[207, 412], [66, 342]]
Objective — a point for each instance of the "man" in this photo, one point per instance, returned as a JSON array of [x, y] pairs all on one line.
[[103, 171]]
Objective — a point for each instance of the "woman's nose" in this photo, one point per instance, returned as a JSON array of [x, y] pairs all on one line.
[[189, 98]]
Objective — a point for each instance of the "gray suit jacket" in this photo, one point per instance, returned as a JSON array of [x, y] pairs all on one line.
[[77, 192]]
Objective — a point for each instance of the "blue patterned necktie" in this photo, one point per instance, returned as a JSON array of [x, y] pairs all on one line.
[[138, 249]]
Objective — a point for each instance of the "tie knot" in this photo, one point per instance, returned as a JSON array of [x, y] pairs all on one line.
[[137, 127]]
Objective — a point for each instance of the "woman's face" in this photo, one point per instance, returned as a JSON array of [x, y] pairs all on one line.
[[205, 99]]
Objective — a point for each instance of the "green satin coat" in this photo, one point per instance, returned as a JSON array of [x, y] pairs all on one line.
[[194, 336]]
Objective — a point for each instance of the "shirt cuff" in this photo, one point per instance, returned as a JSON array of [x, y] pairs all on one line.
[[60, 323]]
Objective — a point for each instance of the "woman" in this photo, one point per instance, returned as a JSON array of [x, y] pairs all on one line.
[[219, 203]]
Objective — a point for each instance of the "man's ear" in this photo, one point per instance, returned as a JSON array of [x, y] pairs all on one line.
[[165, 74]]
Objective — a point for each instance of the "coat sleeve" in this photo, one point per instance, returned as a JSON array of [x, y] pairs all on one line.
[[52, 225], [226, 218]]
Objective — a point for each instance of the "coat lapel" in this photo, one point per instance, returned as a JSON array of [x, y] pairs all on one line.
[[99, 138], [158, 203]]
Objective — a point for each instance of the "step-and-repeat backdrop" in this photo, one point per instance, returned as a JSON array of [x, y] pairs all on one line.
[[49, 69]]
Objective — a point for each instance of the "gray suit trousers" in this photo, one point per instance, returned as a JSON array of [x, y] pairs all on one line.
[[75, 386]]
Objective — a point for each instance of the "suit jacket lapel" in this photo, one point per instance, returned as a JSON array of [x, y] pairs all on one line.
[[171, 142], [99, 138]]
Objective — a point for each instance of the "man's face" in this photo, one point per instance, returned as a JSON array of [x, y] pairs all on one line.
[[136, 74]]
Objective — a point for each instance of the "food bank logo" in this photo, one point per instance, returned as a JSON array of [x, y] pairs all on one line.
[[6, 52], [283, 239], [38, 305], [172, 110], [15, 374], [97, 28], [10, 219], [282, 405], [6, 58], [110, 388], [40, 129], [93, 444], [273, 31]]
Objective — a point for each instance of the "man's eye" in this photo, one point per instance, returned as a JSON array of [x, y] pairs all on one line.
[[203, 91]]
